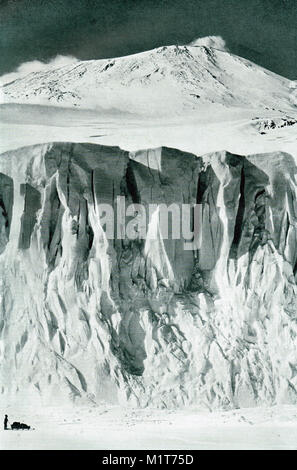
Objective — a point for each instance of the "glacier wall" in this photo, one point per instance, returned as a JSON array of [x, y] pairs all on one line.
[[86, 318]]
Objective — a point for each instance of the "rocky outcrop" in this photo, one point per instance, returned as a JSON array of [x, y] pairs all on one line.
[[99, 302]]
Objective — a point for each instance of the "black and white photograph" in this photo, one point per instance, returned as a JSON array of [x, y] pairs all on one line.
[[148, 227]]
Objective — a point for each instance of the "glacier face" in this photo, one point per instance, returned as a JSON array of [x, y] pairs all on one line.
[[146, 322]]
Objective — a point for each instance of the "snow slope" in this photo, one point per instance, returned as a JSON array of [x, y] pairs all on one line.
[[168, 81]]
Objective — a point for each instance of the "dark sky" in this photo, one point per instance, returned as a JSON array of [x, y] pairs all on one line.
[[264, 31]]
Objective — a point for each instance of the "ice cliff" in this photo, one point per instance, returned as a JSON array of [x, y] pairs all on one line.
[[142, 321]]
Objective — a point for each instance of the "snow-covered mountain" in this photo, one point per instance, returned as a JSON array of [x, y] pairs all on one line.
[[84, 318], [173, 80]]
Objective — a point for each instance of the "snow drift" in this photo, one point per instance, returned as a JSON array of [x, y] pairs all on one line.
[[148, 323]]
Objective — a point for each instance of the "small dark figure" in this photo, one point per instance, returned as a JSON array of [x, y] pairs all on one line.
[[5, 422], [17, 425]]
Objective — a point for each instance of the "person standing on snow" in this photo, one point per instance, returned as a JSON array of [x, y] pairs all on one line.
[[5, 422]]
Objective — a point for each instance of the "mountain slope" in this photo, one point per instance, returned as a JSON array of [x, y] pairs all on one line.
[[173, 80]]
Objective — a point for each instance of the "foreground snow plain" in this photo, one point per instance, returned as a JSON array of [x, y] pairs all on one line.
[[112, 427]]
